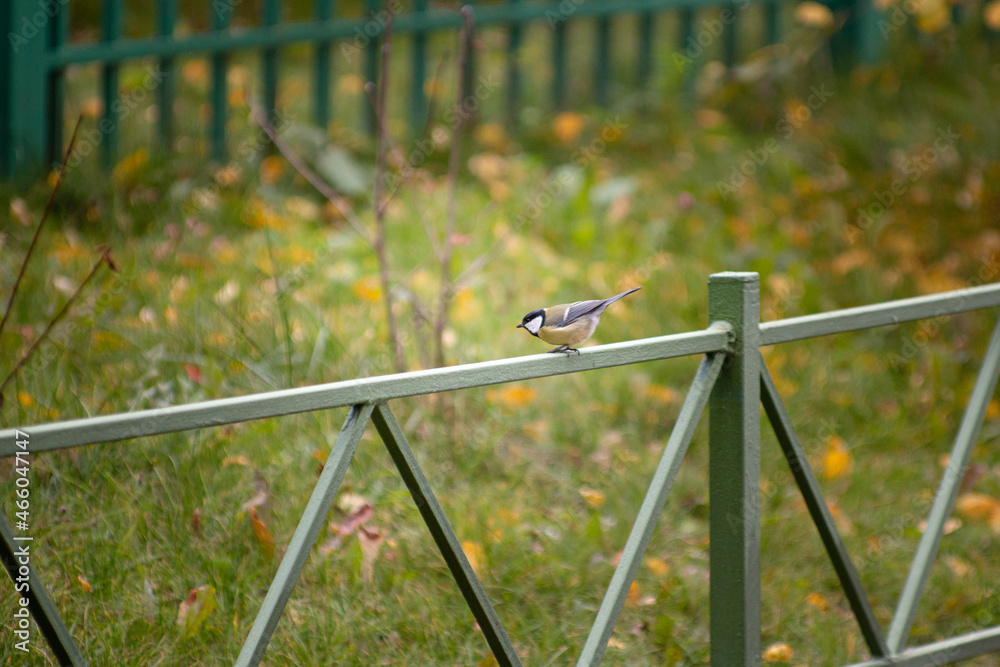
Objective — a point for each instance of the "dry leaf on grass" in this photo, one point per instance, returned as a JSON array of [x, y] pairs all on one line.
[[261, 534], [193, 611], [371, 540]]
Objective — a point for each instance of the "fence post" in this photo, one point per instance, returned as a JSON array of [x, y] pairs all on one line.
[[24, 93], [734, 476]]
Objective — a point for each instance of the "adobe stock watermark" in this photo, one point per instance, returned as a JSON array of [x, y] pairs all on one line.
[[912, 168], [754, 159], [710, 29], [30, 26], [896, 17], [372, 28], [22, 554], [88, 140]]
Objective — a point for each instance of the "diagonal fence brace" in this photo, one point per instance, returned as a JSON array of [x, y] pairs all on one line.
[[652, 506], [39, 603], [305, 536], [820, 513], [447, 542]]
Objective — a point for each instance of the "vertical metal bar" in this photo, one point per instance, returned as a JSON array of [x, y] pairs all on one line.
[[771, 22], [444, 536], [734, 476], [23, 97], [652, 506], [221, 16], [418, 75], [647, 22], [731, 28], [270, 16], [559, 65], [305, 535], [468, 74], [111, 31], [323, 10], [813, 496], [686, 36], [944, 501], [602, 64], [514, 39], [42, 609], [57, 82], [371, 71], [166, 21]]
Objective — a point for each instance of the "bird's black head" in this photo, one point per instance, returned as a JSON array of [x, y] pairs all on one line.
[[533, 321]]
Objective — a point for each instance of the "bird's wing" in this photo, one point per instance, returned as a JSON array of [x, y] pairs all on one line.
[[577, 310]]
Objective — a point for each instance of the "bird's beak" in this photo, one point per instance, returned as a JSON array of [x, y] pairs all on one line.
[[520, 326]]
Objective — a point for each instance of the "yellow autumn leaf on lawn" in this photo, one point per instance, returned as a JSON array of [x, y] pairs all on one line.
[[128, 168], [817, 601], [991, 15], [837, 460], [260, 532], [933, 15], [814, 15], [368, 289], [778, 652], [476, 556], [663, 394], [659, 567], [25, 399], [92, 107], [512, 396], [272, 168], [193, 611], [979, 507], [592, 497], [351, 84], [632, 598], [491, 135], [84, 584], [568, 125]]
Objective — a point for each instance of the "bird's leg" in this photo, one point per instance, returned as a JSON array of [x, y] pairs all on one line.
[[566, 349], [561, 348]]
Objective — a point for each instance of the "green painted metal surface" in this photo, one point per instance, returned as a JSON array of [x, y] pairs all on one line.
[[652, 507], [854, 590], [221, 16], [40, 605], [602, 66], [305, 535], [166, 21], [323, 11], [444, 536], [129, 425], [968, 432], [112, 17], [734, 476]]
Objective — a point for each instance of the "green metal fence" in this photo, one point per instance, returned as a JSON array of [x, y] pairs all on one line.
[[33, 67], [732, 381]]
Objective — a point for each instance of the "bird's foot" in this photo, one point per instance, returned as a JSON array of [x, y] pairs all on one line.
[[566, 349]]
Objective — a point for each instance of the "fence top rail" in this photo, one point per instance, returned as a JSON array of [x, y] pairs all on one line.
[[880, 314], [129, 425]]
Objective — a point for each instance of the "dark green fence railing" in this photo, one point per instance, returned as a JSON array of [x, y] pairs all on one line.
[[732, 382], [33, 66]]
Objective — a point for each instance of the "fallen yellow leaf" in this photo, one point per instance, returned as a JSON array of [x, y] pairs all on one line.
[[633, 594], [817, 601], [778, 652], [837, 460], [261, 534], [814, 15], [193, 611], [659, 567], [568, 125], [592, 497], [476, 556], [978, 507], [513, 396], [84, 584]]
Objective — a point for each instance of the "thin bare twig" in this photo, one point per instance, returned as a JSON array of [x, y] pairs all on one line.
[[41, 223], [105, 259], [447, 245], [302, 168], [380, 227]]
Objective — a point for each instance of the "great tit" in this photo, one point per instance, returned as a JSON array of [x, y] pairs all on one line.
[[568, 324]]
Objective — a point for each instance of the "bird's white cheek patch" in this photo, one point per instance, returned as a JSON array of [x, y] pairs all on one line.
[[534, 324]]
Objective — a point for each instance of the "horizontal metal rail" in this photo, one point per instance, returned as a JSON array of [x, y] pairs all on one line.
[[880, 314], [259, 37], [944, 652], [125, 426]]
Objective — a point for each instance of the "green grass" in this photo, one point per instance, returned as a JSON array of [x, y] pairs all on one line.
[[231, 286]]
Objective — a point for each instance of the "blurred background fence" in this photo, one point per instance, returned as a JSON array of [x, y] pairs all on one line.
[[47, 39]]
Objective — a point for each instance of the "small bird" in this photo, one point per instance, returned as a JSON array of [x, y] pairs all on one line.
[[568, 324]]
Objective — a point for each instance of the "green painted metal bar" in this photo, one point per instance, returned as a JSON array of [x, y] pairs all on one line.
[[25, 89], [944, 501], [270, 16], [125, 426], [305, 31], [857, 597], [652, 507], [515, 36], [771, 23], [221, 17], [646, 25], [559, 65], [880, 314], [418, 75], [16, 555], [944, 652], [305, 535], [166, 21], [372, 7], [734, 477], [730, 34], [444, 536], [323, 11], [57, 83], [468, 74], [602, 64], [111, 32]]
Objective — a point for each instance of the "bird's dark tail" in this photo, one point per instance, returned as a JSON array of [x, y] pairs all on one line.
[[620, 296]]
